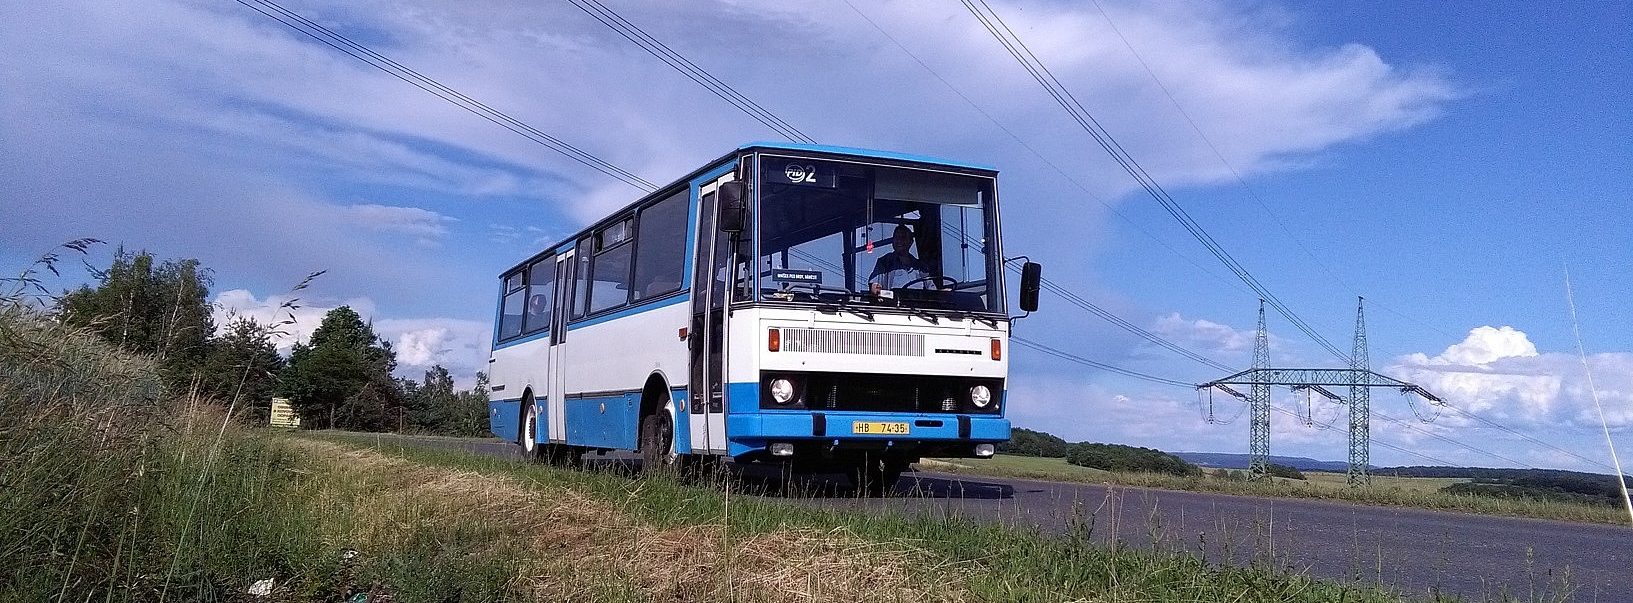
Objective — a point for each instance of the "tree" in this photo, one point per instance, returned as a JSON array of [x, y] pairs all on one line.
[[1025, 442], [243, 366], [1284, 471], [161, 310], [430, 404], [1117, 457], [342, 376], [433, 405]]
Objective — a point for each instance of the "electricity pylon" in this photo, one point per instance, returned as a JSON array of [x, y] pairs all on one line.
[[1258, 444], [1360, 405], [1359, 378]]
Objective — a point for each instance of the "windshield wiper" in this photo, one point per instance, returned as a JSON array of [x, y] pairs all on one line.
[[928, 315], [986, 320], [843, 305]]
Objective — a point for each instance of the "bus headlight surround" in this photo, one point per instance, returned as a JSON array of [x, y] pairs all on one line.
[[981, 397], [782, 391]]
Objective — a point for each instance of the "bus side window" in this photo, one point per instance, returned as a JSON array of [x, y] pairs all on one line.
[[609, 272], [660, 247], [581, 278], [510, 312], [541, 283]]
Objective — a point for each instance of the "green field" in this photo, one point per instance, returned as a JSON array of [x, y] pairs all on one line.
[[1423, 492]]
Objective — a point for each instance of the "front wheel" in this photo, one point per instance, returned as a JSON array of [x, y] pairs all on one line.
[[658, 442]]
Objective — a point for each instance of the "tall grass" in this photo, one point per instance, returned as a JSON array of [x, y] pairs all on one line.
[[114, 489]]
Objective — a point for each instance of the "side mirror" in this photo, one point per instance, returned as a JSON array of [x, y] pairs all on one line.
[[1031, 282], [733, 206]]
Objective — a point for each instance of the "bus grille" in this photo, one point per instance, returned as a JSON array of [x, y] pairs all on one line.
[[828, 341]]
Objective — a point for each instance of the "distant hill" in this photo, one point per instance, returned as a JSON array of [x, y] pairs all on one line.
[[1227, 460]]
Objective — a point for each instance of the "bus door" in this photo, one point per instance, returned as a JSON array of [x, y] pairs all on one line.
[[557, 401], [707, 392]]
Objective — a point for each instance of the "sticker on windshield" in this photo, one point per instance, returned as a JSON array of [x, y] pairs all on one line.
[[784, 275]]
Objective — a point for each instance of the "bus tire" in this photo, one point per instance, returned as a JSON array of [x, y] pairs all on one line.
[[657, 442], [527, 429]]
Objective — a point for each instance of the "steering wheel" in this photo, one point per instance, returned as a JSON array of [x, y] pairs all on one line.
[[937, 279]]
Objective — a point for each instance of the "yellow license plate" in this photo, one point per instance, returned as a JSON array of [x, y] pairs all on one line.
[[871, 428]]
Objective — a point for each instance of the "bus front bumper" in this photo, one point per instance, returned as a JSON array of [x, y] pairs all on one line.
[[928, 435]]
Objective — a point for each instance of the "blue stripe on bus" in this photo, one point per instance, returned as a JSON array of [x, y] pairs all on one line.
[[750, 432], [533, 337], [631, 311], [822, 148], [604, 421], [503, 418], [683, 422]]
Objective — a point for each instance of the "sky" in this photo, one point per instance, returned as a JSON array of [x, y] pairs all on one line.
[[1448, 162]]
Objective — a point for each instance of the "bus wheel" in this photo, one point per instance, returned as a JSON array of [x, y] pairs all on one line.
[[876, 475], [528, 434], [657, 442]]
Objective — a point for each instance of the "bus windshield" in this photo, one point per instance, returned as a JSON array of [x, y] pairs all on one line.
[[844, 232]]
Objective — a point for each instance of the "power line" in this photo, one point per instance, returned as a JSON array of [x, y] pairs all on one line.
[[1099, 365], [1400, 449], [1086, 120], [1443, 438], [1037, 154], [374, 59], [1077, 300], [686, 67], [1238, 175]]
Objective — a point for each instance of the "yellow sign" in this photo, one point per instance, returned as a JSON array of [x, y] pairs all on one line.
[[871, 428], [282, 415]]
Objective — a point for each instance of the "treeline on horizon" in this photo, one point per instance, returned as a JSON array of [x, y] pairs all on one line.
[[342, 377], [1548, 484], [1109, 457]]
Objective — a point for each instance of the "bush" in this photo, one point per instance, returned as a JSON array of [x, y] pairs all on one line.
[[1117, 457], [1025, 442], [1284, 471]]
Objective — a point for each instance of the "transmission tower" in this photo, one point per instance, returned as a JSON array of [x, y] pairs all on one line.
[[1258, 447], [1360, 404], [1358, 377]]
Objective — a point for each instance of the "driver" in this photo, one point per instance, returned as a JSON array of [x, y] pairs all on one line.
[[898, 267]]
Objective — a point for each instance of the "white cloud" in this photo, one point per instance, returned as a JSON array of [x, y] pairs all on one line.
[[426, 225], [461, 346], [1498, 371]]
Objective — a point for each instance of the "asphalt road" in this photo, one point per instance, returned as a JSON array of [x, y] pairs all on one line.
[[1413, 551]]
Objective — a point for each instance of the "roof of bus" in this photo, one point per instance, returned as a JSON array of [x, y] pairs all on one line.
[[823, 148], [783, 146]]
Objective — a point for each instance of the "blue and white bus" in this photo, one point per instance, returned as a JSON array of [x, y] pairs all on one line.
[[833, 309]]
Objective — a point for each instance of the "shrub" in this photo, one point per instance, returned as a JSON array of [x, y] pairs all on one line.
[[1117, 457]]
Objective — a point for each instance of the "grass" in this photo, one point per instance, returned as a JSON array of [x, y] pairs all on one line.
[[117, 490], [1385, 491], [971, 560]]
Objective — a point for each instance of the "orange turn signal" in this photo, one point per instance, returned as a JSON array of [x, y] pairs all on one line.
[[997, 349], [773, 340]]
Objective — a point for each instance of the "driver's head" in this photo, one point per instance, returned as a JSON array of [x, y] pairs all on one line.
[[902, 239]]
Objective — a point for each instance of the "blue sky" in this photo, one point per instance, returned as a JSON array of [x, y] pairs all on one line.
[[1445, 161]]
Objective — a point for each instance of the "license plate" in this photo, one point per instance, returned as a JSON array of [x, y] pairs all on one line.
[[873, 428]]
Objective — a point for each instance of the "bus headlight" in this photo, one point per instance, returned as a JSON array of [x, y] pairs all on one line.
[[980, 396], [782, 390]]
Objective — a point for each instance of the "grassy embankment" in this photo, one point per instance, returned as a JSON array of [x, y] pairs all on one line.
[[1385, 491], [115, 490]]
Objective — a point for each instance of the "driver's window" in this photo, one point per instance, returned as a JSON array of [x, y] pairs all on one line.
[[963, 241]]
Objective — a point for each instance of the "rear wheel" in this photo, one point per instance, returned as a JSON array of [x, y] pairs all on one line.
[[528, 433], [658, 442]]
